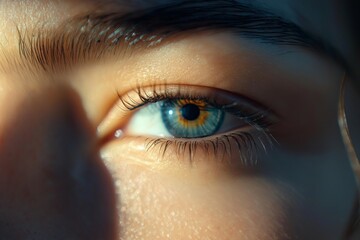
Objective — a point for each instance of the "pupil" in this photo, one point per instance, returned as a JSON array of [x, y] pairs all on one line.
[[190, 112]]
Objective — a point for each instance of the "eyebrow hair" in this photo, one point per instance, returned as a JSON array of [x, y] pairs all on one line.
[[100, 33]]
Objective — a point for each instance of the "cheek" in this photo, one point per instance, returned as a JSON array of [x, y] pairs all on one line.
[[156, 204]]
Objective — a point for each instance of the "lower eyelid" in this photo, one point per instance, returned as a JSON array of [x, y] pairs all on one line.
[[238, 149]]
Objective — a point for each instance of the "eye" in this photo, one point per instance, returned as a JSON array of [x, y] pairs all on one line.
[[191, 112], [190, 120], [181, 118]]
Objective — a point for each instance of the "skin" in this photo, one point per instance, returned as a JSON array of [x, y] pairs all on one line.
[[63, 174]]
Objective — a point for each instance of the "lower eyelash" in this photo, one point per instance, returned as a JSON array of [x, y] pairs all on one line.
[[249, 146]]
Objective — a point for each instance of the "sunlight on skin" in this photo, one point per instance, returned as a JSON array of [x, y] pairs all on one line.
[[66, 176]]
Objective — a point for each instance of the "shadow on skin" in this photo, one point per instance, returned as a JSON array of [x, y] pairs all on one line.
[[53, 184]]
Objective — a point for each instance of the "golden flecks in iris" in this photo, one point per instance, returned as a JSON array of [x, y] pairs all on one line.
[[200, 121]]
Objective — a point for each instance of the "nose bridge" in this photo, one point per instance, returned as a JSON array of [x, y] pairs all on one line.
[[52, 181]]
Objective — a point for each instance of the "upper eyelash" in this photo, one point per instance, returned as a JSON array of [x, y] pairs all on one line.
[[155, 96], [257, 119]]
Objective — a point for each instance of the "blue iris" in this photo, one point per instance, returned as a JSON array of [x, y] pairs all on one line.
[[190, 120]]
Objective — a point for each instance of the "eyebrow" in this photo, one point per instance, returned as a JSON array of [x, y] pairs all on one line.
[[103, 33]]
